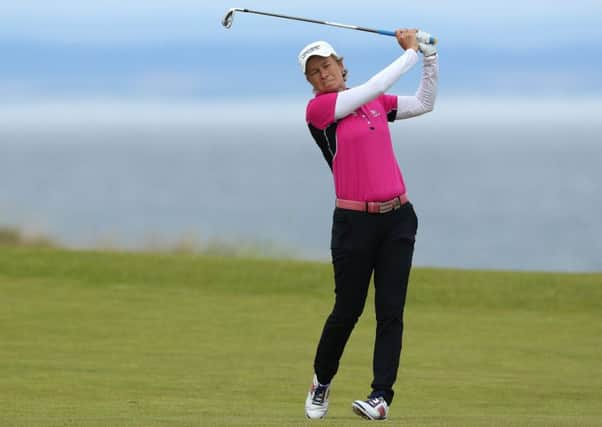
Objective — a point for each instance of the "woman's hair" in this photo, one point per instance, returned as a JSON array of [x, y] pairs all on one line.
[[345, 72]]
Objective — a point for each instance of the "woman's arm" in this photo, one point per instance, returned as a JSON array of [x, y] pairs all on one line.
[[351, 99], [424, 99]]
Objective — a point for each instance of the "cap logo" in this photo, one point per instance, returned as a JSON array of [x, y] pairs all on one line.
[[320, 48], [310, 50]]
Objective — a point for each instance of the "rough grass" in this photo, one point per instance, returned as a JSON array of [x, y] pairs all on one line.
[[110, 339], [13, 236]]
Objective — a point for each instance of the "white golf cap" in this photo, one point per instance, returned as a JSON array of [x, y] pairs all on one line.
[[319, 48]]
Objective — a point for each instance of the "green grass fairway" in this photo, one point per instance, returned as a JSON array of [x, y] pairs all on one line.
[[121, 339]]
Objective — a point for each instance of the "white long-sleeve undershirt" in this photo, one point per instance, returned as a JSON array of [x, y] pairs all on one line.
[[423, 101]]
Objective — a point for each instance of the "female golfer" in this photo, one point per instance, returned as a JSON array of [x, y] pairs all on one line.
[[374, 224]]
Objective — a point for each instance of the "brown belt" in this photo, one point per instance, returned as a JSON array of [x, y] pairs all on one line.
[[373, 207]]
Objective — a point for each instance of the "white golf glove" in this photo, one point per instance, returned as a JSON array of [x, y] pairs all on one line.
[[427, 49], [423, 39]]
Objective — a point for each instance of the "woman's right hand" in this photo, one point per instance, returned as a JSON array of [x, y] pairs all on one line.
[[407, 38]]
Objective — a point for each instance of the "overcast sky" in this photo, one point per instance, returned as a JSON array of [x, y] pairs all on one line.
[[177, 49], [499, 22]]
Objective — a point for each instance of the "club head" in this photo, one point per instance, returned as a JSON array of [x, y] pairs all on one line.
[[229, 17]]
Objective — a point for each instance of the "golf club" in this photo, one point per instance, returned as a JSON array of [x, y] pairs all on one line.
[[229, 18]]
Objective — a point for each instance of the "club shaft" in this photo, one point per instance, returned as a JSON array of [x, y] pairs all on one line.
[[316, 21]]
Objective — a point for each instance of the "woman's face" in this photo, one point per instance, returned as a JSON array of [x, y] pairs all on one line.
[[325, 74]]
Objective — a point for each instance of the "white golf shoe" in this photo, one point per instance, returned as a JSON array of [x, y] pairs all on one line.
[[316, 404], [374, 408]]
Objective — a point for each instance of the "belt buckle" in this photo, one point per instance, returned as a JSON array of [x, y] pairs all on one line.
[[390, 205], [385, 207]]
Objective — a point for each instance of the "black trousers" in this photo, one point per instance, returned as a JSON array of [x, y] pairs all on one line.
[[363, 243]]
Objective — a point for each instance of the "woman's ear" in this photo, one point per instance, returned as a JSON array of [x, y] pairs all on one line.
[[342, 67]]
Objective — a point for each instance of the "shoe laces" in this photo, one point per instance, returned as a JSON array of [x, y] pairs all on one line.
[[375, 401], [319, 394]]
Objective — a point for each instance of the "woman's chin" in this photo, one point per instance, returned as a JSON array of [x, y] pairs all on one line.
[[331, 88]]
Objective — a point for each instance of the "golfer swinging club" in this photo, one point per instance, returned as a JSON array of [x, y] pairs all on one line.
[[374, 224]]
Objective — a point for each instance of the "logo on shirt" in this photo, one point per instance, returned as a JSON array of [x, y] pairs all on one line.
[[374, 113]]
